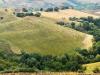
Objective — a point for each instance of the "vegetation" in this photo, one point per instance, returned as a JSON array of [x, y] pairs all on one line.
[[92, 67], [91, 26], [37, 14], [38, 44], [35, 62], [39, 35], [55, 9]]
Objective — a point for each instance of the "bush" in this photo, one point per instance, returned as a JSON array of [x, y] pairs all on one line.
[[1, 18], [37, 14], [56, 9], [60, 22], [29, 14], [20, 15], [72, 66], [49, 10], [24, 10], [97, 58]]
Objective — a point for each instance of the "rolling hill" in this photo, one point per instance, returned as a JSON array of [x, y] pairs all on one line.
[[78, 4], [66, 14], [33, 34]]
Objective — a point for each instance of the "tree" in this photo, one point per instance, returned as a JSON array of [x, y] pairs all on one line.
[[65, 59], [79, 58], [20, 15], [73, 25], [24, 57], [61, 22], [72, 66], [24, 10], [38, 14], [83, 52], [73, 18], [41, 9], [1, 18], [97, 22], [97, 48], [56, 9], [1, 68], [64, 7], [97, 58], [49, 10], [29, 14], [31, 62]]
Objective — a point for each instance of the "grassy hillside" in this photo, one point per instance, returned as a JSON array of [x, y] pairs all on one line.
[[92, 66], [7, 16], [40, 35], [66, 14]]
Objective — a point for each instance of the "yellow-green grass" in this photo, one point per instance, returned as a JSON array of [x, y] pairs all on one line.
[[40, 35], [66, 14], [7, 17], [90, 67]]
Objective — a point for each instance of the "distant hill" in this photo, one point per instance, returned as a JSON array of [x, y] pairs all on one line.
[[66, 14], [78, 4]]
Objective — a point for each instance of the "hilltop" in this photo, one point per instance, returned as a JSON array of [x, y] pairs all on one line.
[[66, 14]]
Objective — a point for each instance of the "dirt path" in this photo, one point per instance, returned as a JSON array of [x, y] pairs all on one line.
[[88, 41]]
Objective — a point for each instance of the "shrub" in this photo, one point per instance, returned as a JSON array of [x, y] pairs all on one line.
[[49, 10], [56, 9], [20, 15], [38, 14], [60, 22], [29, 14], [97, 58], [24, 10]]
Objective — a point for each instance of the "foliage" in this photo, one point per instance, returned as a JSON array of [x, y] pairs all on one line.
[[35, 62], [37, 14]]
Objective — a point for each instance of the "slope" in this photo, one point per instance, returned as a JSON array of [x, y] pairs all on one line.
[[40, 35], [66, 14], [91, 67], [7, 15]]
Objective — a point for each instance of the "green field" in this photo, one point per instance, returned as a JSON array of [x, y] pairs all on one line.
[[90, 67], [39, 35]]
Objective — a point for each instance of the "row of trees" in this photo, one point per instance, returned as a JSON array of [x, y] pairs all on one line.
[[56, 9], [37, 14], [35, 62]]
